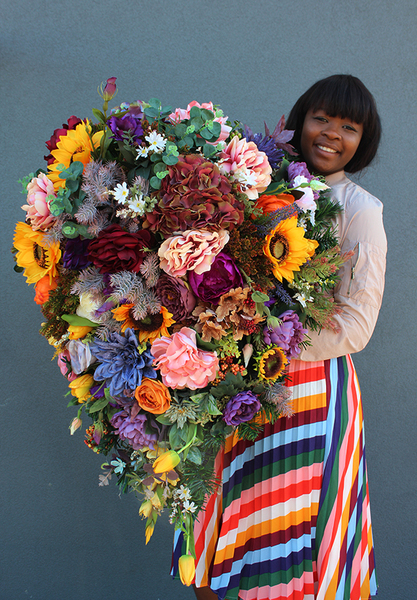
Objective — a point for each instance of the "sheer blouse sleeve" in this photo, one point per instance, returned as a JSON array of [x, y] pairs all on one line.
[[360, 289]]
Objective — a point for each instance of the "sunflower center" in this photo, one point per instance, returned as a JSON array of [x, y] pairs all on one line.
[[273, 363], [39, 254], [279, 247], [149, 323]]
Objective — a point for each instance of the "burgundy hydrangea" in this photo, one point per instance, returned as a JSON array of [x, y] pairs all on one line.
[[241, 408], [222, 277], [51, 144], [288, 335], [176, 297], [76, 254], [193, 196], [118, 250], [132, 429]]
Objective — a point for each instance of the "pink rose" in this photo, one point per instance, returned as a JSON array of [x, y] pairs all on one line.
[[181, 363], [37, 207], [64, 364], [192, 250], [181, 114], [248, 165]]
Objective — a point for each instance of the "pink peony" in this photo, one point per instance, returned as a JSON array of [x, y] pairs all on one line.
[[248, 165], [182, 114], [193, 250], [37, 207], [181, 363]]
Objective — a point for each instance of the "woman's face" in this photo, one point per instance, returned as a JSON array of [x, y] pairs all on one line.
[[329, 143]]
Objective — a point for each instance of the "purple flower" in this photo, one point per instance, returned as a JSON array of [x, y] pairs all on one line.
[[76, 254], [128, 125], [222, 277], [241, 408], [298, 168], [176, 297], [122, 366], [132, 429], [265, 144], [288, 335]]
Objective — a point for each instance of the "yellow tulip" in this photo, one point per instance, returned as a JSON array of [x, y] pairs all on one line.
[[78, 331], [80, 387], [186, 565], [166, 462]]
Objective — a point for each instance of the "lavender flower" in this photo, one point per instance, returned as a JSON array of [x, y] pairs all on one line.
[[241, 408], [121, 364], [132, 429], [288, 335]]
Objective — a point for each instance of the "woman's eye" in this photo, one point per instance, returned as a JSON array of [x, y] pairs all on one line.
[[321, 119], [349, 127]]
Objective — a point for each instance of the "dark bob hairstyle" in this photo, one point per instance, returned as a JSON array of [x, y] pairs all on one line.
[[342, 96]]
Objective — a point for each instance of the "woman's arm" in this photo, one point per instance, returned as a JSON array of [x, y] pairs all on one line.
[[359, 292]]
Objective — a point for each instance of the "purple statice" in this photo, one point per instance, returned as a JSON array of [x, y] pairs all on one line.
[[288, 335], [76, 254], [122, 365], [265, 144], [129, 125], [241, 408], [132, 429]]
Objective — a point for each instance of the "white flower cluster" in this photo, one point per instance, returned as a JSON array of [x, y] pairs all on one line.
[[182, 503]]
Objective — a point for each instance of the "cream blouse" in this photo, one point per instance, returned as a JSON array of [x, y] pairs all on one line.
[[359, 291]]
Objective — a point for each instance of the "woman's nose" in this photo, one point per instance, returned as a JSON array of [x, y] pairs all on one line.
[[331, 131]]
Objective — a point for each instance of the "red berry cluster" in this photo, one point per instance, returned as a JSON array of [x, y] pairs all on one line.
[[228, 364]]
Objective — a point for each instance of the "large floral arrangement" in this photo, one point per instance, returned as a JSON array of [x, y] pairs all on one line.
[[178, 259]]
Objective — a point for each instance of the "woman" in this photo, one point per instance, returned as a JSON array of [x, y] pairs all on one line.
[[293, 518]]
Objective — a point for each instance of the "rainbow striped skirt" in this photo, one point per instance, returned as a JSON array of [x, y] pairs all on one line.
[[292, 518]]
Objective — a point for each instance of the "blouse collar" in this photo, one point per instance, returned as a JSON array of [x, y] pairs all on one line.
[[335, 178]]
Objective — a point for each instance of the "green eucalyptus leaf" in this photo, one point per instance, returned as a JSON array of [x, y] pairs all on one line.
[[170, 159], [195, 112], [215, 128], [206, 114], [206, 133], [209, 150], [155, 183], [155, 103], [180, 130], [153, 113], [155, 157], [70, 230], [197, 123], [160, 166]]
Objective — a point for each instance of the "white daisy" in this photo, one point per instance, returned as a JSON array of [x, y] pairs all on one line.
[[121, 193], [142, 152], [157, 142]]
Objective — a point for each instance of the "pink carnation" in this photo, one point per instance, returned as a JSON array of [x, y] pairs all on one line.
[[37, 207], [182, 114], [181, 363], [192, 250], [248, 165]]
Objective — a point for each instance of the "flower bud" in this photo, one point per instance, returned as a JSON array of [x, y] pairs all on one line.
[[75, 424], [78, 331], [109, 89], [247, 352], [186, 565], [166, 462]]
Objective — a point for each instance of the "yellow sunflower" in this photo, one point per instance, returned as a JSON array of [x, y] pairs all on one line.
[[288, 249], [149, 328], [34, 255], [76, 145], [272, 364]]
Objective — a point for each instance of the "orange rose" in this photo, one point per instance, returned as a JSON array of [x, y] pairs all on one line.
[[153, 396], [43, 287], [270, 203]]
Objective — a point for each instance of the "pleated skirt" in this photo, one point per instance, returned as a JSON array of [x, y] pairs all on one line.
[[292, 519]]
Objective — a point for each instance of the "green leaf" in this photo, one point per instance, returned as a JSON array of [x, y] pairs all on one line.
[[215, 128], [259, 297], [194, 455], [78, 321], [195, 113], [170, 159], [206, 114], [155, 157], [204, 345], [98, 405], [155, 103], [160, 166], [206, 133], [155, 182], [175, 439], [197, 123], [153, 113], [72, 230], [164, 420], [209, 150], [99, 115], [180, 130]]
